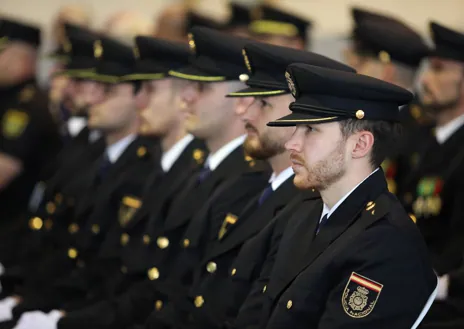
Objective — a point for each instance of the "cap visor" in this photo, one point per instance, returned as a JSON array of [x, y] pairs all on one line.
[[256, 92], [193, 73], [301, 119]]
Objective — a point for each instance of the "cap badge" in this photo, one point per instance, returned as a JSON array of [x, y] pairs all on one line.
[[97, 49], [136, 52], [192, 45], [67, 46], [384, 57], [291, 84]]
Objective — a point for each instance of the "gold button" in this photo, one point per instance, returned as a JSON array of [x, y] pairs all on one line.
[[124, 270], [199, 301], [146, 239], [95, 229], [50, 207], [72, 253], [264, 289], [125, 239], [158, 305], [234, 271], [48, 224], [186, 243], [359, 114], [153, 273], [162, 242], [211, 267], [73, 228], [141, 151], [289, 304], [35, 223]]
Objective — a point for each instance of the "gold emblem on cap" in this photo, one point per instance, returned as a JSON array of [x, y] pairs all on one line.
[[97, 49], [67, 46], [141, 151], [247, 60], [199, 156], [359, 114], [384, 57], [244, 77], [291, 84], [153, 273], [136, 52], [192, 45], [162, 242], [199, 301]]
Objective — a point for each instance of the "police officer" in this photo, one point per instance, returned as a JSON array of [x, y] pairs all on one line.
[[357, 241], [29, 136], [434, 191]]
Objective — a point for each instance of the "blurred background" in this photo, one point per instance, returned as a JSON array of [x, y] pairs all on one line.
[[331, 18]]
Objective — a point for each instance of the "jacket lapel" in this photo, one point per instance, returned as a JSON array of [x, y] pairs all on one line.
[[345, 215]]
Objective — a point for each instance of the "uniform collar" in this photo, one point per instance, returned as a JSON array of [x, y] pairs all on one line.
[[214, 160], [444, 132], [115, 150], [277, 180], [169, 157]]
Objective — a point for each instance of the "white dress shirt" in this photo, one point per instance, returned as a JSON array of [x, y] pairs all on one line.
[[277, 180], [75, 125], [444, 132], [214, 160], [115, 150], [169, 157]]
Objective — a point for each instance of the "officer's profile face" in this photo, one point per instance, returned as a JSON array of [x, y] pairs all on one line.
[[206, 109], [84, 94], [161, 113], [442, 84], [116, 110], [17, 62], [263, 142], [319, 155]]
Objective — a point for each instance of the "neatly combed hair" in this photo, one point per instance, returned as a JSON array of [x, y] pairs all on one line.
[[387, 135]]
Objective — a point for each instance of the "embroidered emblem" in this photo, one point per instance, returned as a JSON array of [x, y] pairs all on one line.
[[14, 123], [360, 296], [97, 49], [291, 84], [127, 209], [136, 52], [192, 44], [229, 220]]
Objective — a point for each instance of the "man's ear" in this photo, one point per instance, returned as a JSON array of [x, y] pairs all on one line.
[[363, 143]]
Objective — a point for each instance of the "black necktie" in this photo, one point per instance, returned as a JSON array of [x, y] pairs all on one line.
[[322, 222], [203, 174], [265, 194]]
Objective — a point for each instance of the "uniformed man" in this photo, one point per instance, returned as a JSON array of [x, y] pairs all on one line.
[[29, 136], [357, 241], [433, 192], [386, 48], [273, 25], [266, 98], [227, 181], [123, 168]]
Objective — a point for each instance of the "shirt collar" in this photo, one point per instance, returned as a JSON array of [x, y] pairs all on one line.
[[214, 160], [115, 150], [277, 180], [329, 211], [75, 125], [444, 132], [169, 157]]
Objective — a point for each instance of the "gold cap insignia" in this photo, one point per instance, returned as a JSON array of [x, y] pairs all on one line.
[[192, 45], [247, 60], [67, 46], [359, 114], [97, 49], [291, 84], [384, 57], [415, 111], [136, 52], [14, 123]]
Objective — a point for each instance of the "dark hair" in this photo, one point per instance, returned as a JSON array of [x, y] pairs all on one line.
[[387, 135]]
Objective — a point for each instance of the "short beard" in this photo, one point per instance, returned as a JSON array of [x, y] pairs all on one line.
[[267, 148], [326, 172], [437, 108]]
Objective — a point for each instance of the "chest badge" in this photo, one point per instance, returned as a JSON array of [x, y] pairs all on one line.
[[360, 296]]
